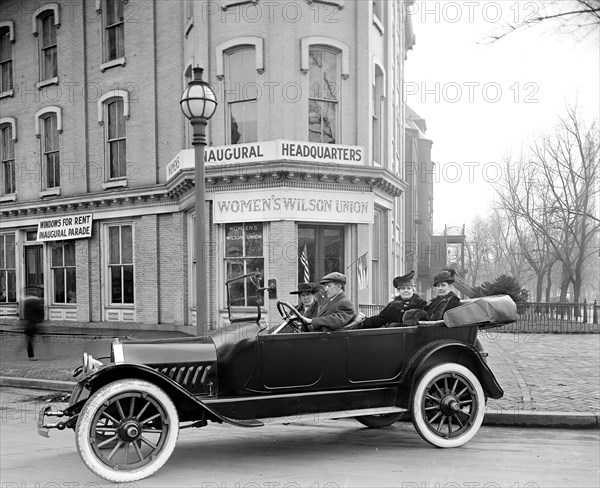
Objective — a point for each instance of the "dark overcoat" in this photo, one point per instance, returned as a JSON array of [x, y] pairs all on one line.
[[334, 314], [394, 311], [440, 304]]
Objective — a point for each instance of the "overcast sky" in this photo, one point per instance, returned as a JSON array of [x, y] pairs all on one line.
[[482, 102]]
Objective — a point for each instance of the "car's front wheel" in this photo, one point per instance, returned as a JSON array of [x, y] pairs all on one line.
[[448, 405], [127, 430], [379, 421]]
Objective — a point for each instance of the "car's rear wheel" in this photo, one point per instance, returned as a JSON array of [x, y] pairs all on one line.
[[379, 421], [448, 405], [127, 430]]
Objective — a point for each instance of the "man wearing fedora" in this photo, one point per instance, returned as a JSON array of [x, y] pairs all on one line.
[[445, 299], [309, 306], [336, 313], [407, 299]]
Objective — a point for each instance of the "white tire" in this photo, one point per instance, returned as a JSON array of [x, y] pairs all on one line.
[[127, 430], [448, 405]]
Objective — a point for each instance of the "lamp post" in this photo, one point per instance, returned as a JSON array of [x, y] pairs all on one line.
[[198, 104]]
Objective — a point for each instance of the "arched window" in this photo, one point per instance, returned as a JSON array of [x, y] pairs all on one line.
[[324, 95], [241, 95], [6, 40], [114, 30], [116, 143], [46, 22], [7, 157], [377, 115], [50, 151], [113, 112]]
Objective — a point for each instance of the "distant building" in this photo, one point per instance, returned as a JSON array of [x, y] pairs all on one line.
[[306, 152], [419, 172]]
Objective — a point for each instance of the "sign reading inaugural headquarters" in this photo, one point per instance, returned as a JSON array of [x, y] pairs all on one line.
[[65, 227], [293, 204], [277, 150]]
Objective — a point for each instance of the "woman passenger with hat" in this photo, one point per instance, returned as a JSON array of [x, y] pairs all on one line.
[[406, 300], [309, 306], [445, 299]]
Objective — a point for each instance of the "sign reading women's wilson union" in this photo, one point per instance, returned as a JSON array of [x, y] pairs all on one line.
[[293, 204]]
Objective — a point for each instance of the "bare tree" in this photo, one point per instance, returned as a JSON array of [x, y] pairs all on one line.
[[572, 16], [556, 201], [522, 200]]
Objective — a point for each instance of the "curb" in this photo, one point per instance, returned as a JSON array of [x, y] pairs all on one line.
[[541, 418], [498, 418], [37, 384]]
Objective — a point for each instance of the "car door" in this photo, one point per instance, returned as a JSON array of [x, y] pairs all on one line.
[[291, 360], [376, 355]]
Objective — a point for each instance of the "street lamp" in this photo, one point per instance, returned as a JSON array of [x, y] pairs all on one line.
[[198, 104]]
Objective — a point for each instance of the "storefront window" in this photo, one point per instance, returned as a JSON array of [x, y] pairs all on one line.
[[120, 264], [63, 272], [324, 251], [8, 280], [243, 255]]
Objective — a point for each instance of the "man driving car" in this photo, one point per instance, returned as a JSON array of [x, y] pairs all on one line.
[[336, 313]]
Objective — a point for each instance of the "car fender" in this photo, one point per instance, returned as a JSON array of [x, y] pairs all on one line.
[[187, 404], [456, 352]]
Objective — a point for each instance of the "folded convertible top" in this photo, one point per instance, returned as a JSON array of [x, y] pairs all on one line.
[[493, 310]]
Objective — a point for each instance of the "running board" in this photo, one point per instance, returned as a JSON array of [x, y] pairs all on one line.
[[324, 416]]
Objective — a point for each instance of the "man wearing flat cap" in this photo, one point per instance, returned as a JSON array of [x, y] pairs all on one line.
[[407, 299], [338, 311]]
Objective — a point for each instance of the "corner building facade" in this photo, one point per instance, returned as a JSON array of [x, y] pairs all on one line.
[[304, 168]]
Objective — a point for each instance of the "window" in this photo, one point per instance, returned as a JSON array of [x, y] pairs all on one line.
[[50, 154], [115, 139], [324, 249], [120, 264], [243, 255], [7, 157], [6, 80], [378, 15], [377, 117], [377, 9], [8, 273], [241, 92], [378, 238], [63, 272], [323, 102], [114, 28], [47, 43]]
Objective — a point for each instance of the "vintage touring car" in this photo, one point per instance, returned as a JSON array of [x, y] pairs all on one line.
[[127, 413]]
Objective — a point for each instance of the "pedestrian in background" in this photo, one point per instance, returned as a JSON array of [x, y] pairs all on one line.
[[33, 314]]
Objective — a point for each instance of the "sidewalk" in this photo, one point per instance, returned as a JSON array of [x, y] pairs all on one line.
[[548, 379]]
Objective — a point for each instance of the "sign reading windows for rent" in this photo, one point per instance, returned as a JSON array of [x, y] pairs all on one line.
[[65, 227]]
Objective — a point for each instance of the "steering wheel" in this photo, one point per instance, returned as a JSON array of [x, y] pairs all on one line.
[[292, 317]]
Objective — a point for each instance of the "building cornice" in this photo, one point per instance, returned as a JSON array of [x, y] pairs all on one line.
[[146, 197], [265, 175]]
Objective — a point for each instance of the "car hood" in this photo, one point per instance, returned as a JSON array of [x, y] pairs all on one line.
[[164, 351]]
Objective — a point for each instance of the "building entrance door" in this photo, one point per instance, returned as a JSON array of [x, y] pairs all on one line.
[[34, 266], [320, 251]]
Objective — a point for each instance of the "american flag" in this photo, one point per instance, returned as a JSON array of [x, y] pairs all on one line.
[[363, 277], [304, 261]]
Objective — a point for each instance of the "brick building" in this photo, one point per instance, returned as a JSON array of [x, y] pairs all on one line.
[[305, 153]]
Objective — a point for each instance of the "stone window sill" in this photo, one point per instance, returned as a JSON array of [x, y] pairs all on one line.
[[111, 64]]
